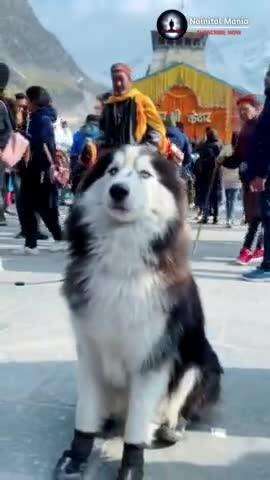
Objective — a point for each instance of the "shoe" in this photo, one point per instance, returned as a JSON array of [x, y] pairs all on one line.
[[3, 223], [19, 235], [42, 236], [26, 251], [215, 221], [69, 469], [257, 275], [245, 257], [10, 212], [31, 251], [229, 224], [203, 221], [60, 246], [257, 255]]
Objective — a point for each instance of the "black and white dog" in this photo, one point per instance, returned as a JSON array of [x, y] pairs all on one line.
[[135, 307]]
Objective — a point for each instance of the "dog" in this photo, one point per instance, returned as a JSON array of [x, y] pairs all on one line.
[[135, 308]]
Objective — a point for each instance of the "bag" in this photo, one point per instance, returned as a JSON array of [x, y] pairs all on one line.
[[60, 168], [16, 148]]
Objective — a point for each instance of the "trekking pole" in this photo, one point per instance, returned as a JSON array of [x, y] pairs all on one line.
[[200, 227]]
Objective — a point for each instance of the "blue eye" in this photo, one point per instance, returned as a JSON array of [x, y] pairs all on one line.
[[145, 174], [113, 171]]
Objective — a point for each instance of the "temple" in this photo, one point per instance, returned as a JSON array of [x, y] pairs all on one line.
[[181, 87], [188, 49]]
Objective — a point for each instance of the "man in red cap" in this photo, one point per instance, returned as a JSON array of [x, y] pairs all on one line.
[[249, 108], [129, 117]]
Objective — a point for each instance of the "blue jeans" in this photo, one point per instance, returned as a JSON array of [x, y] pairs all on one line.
[[231, 195]]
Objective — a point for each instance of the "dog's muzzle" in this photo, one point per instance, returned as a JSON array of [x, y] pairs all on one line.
[[118, 193]]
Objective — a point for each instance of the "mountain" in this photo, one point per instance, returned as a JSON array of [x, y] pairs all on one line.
[[36, 57]]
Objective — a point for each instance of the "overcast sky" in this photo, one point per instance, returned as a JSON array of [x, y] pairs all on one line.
[[100, 32]]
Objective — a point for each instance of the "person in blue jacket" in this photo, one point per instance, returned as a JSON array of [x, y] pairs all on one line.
[[179, 138], [89, 131], [38, 189]]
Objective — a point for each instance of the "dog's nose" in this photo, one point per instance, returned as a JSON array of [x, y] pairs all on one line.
[[118, 192]]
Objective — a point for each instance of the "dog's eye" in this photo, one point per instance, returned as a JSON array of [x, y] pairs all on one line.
[[113, 171], [145, 174]]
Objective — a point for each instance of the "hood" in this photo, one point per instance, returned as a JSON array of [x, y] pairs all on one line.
[[48, 112]]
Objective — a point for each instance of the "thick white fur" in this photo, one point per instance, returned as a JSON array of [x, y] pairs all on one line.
[[125, 318]]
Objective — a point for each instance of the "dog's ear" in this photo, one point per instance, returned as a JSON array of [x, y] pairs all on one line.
[[95, 173]]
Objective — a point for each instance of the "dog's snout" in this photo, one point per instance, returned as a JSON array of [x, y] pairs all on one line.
[[118, 192]]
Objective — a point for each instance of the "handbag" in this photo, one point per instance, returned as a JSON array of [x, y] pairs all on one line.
[[59, 168], [17, 148]]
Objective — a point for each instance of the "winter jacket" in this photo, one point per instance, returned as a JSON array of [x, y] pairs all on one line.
[[244, 156], [181, 141], [203, 171], [261, 145], [87, 132], [41, 132]]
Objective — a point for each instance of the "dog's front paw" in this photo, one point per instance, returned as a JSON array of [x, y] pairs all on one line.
[[68, 468], [131, 473], [132, 463], [168, 435]]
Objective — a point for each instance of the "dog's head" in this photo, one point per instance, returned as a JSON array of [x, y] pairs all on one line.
[[135, 184]]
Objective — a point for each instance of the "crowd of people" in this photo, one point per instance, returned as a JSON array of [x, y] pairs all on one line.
[[59, 159]]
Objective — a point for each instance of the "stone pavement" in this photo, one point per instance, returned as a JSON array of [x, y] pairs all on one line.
[[37, 372]]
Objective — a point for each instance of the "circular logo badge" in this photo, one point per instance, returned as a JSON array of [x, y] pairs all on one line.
[[172, 25]]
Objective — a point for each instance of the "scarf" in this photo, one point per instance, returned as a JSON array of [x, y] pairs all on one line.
[[147, 115]]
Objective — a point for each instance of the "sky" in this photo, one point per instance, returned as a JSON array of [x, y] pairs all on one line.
[[100, 32]]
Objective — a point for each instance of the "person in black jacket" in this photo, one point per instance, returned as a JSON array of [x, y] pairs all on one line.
[[259, 176], [208, 176], [38, 188]]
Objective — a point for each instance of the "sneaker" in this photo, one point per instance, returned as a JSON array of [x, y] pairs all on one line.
[[10, 212], [26, 251], [3, 223], [19, 235], [229, 224], [59, 246], [257, 275], [31, 251], [42, 236], [245, 257], [258, 255]]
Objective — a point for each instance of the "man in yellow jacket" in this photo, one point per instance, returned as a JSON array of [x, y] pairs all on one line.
[[130, 117]]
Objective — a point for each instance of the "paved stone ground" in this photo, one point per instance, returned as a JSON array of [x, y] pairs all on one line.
[[37, 372]]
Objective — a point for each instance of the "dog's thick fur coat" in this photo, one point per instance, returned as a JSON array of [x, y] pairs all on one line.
[[136, 311]]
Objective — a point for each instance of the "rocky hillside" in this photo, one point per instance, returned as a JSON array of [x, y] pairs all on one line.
[[36, 56]]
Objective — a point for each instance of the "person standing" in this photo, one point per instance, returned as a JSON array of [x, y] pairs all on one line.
[[38, 187], [7, 125], [208, 175], [243, 154], [89, 132], [259, 177], [232, 184]]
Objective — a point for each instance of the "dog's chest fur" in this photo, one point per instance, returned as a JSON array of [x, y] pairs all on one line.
[[127, 310]]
